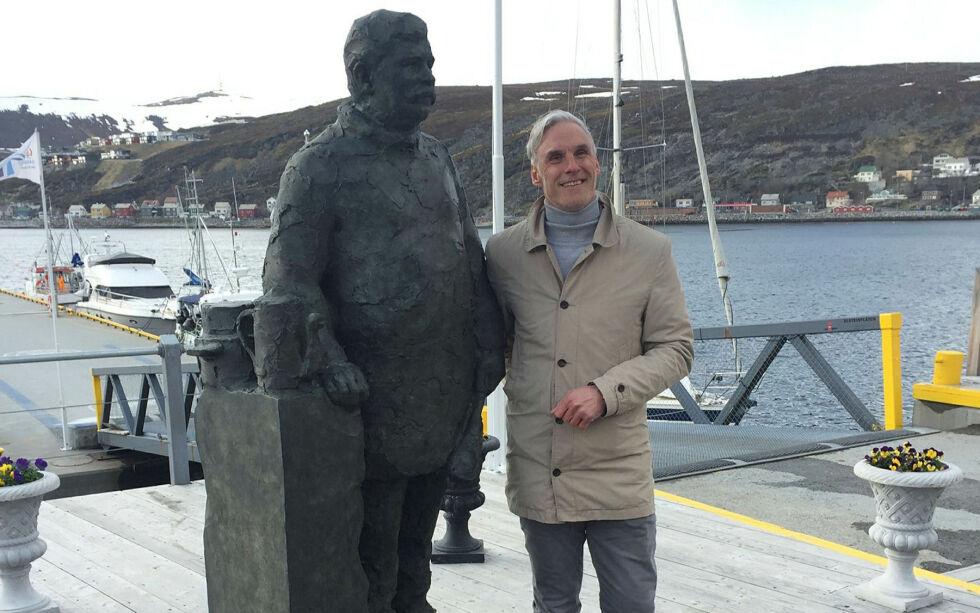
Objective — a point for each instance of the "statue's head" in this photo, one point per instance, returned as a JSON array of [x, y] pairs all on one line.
[[389, 69]]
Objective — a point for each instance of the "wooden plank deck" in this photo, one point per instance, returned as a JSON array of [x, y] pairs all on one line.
[[141, 550]]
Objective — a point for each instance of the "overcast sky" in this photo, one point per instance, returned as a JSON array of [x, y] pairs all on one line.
[[291, 50]]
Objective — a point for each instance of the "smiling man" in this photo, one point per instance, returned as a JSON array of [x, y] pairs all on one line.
[[597, 326]]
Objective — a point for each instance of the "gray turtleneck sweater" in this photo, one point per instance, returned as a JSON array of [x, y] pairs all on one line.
[[570, 233]]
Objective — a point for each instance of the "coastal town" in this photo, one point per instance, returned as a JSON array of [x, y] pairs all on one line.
[[947, 187], [924, 192]]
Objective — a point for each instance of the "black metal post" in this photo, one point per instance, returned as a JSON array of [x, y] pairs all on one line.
[[462, 497]]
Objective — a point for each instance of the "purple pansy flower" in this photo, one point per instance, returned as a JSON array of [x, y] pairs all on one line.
[[40, 463], [17, 476], [23, 464]]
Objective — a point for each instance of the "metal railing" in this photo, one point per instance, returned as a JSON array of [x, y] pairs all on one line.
[[796, 333], [171, 396]]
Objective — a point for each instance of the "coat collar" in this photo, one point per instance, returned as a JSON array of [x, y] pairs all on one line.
[[606, 232], [362, 126]]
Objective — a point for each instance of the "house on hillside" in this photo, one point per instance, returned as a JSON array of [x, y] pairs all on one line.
[[838, 199], [932, 193], [769, 200], [222, 210], [196, 208], [976, 198], [116, 154], [77, 210], [100, 210], [867, 174], [248, 211], [907, 175], [170, 207], [885, 195], [149, 208], [124, 209], [684, 203], [939, 160]]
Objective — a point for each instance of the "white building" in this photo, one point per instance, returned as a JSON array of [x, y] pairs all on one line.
[[769, 200], [939, 160], [868, 174], [77, 210], [884, 195], [684, 203], [222, 210], [976, 198]]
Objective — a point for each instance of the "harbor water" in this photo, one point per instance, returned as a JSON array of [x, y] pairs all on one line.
[[780, 273]]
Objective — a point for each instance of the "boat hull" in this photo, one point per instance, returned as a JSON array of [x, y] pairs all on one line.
[[146, 323]]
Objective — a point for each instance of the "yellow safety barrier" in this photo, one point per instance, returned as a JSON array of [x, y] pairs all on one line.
[[483, 414], [891, 368], [948, 365], [97, 389], [95, 318]]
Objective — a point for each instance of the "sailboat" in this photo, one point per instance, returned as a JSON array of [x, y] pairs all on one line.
[[198, 289], [65, 273]]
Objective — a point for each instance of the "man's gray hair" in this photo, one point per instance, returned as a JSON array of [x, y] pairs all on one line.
[[546, 121]]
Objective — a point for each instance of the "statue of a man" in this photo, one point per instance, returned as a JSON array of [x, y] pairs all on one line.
[[373, 239]]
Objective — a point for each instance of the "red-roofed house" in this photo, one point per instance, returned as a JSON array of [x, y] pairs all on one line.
[[838, 199]]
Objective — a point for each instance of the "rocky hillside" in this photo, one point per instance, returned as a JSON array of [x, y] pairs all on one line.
[[806, 132]]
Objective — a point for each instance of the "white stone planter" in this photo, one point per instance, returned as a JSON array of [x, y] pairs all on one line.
[[20, 545], [905, 503]]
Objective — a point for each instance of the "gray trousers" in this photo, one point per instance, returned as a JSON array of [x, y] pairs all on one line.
[[622, 554]]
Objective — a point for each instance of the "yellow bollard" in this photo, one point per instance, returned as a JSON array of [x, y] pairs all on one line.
[[483, 414], [949, 365], [891, 358]]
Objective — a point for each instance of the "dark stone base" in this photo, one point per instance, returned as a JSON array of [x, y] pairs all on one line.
[[471, 557], [284, 508]]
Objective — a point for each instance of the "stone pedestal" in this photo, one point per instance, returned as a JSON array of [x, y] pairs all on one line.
[[284, 507]]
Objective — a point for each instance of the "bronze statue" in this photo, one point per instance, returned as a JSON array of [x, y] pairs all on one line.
[[376, 292]]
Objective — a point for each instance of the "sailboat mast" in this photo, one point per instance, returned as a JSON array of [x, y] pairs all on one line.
[[52, 293], [617, 109], [721, 264]]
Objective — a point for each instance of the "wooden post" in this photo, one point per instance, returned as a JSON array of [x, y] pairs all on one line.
[[973, 342]]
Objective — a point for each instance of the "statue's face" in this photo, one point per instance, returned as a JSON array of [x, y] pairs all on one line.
[[403, 88]]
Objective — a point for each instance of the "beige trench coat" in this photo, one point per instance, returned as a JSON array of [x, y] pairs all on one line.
[[618, 321]]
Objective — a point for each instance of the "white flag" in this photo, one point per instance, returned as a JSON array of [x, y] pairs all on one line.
[[25, 163]]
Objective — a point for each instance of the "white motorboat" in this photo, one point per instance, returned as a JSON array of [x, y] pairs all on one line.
[[126, 288]]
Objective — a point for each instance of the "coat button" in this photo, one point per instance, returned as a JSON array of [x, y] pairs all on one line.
[[561, 363], [564, 304], [559, 421], [556, 472], [621, 388]]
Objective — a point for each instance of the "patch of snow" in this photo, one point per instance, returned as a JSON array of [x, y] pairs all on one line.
[[586, 86], [548, 93], [595, 95], [939, 93], [178, 113], [536, 98], [974, 79], [667, 86], [907, 84]]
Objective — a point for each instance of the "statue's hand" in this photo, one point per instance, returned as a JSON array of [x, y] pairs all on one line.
[[467, 459], [489, 371], [345, 384]]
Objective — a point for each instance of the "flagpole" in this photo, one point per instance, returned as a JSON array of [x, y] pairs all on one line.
[[52, 294]]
